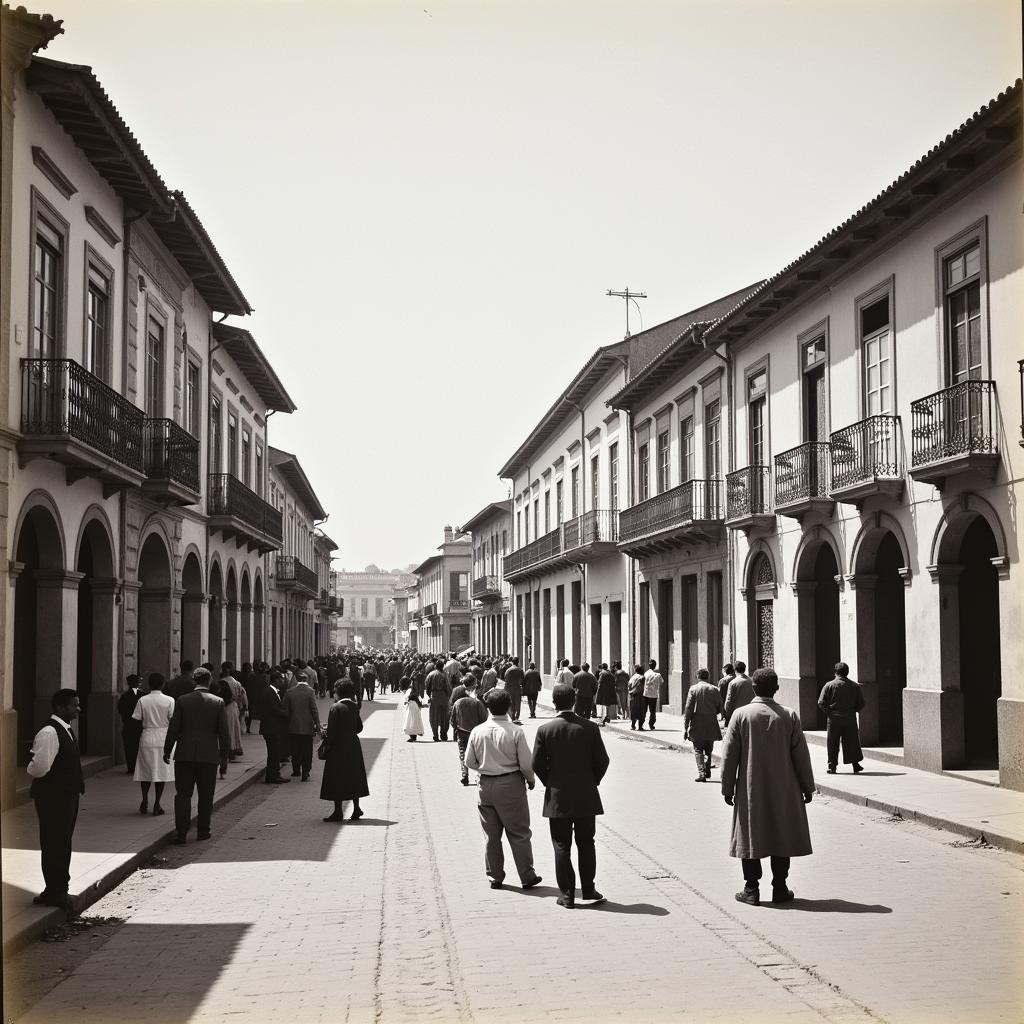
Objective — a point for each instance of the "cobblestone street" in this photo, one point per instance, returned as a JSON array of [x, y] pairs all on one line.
[[283, 917]]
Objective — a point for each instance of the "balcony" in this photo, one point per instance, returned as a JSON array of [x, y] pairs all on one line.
[[172, 463], [544, 552], [293, 575], [748, 499], [867, 460], [954, 431], [687, 514], [235, 511], [486, 588], [458, 604], [591, 535], [429, 611], [72, 417], [802, 480]]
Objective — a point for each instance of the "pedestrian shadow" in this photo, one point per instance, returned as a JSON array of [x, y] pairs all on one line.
[[609, 907], [879, 775], [831, 906], [363, 822], [538, 890]]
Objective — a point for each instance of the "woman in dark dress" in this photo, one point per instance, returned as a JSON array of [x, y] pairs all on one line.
[[344, 776]]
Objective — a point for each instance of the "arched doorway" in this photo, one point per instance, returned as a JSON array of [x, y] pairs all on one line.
[[215, 652], [246, 612], [817, 591], [259, 610], [231, 624], [94, 677], [980, 680], [760, 613], [39, 632], [192, 610], [154, 629]]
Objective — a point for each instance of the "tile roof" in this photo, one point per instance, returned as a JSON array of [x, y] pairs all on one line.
[[37, 30], [249, 358], [291, 469], [489, 511]]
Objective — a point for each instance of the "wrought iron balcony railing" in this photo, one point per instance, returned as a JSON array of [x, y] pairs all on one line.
[[172, 453], [802, 473], [458, 604], [866, 451], [598, 526], [291, 570], [954, 422], [543, 548], [486, 586], [429, 610], [694, 501], [61, 398], [228, 496], [748, 493]]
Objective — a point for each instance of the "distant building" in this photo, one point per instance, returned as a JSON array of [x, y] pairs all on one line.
[[366, 607], [444, 620], [491, 530]]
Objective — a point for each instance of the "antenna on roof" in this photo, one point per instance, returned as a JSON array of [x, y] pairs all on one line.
[[629, 297]]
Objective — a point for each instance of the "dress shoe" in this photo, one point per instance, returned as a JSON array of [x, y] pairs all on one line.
[[157, 810], [782, 895], [651, 727], [334, 817], [830, 770], [305, 778], [144, 807], [355, 816], [593, 897], [700, 778], [203, 836], [280, 779], [465, 782], [497, 885], [751, 896], [530, 883], [858, 768], [565, 901], [707, 772], [640, 728]]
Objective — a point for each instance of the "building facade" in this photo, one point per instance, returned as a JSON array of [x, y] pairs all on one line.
[[491, 529], [443, 603], [325, 606], [367, 618]]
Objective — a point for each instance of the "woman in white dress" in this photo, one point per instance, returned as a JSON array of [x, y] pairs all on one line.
[[154, 710], [413, 725]]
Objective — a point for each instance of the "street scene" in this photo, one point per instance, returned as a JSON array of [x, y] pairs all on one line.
[[403, 617]]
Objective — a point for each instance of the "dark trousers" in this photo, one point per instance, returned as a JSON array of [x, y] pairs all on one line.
[[275, 746], [651, 706], [302, 752], [131, 733], [843, 730], [439, 720], [702, 755], [531, 699], [369, 689], [189, 776], [515, 706], [462, 738], [57, 814], [622, 698], [562, 830], [584, 707], [752, 872], [636, 709]]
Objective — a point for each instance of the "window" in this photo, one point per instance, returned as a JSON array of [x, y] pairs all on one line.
[[815, 399], [97, 323], [547, 511], [154, 366], [757, 396], [192, 395], [259, 468], [712, 440], [246, 457], [663, 464], [378, 608], [47, 287], [232, 444], [644, 472], [963, 314], [686, 466], [613, 477], [595, 482], [215, 436], [536, 517], [364, 605], [504, 542], [519, 526], [575, 495], [876, 342], [558, 503]]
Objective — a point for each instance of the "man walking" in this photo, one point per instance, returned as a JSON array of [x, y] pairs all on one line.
[[57, 785], [622, 689], [131, 728], [700, 721], [489, 679], [565, 675], [767, 780], [652, 694], [199, 727], [570, 760], [274, 729], [532, 685], [468, 711], [182, 683], [840, 700], [728, 675], [303, 723], [369, 679], [740, 692], [514, 688], [585, 686], [438, 691], [501, 754]]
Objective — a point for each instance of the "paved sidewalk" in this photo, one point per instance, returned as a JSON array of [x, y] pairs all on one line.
[[941, 800], [111, 840]]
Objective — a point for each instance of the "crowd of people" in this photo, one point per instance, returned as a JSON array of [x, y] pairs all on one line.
[[185, 730]]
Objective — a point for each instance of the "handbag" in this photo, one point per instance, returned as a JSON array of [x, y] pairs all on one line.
[[321, 751]]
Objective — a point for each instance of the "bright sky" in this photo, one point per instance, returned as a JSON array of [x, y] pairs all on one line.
[[426, 201]]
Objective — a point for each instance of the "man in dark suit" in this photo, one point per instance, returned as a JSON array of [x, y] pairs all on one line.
[[274, 729], [181, 683], [585, 685], [532, 684], [199, 727], [131, 728], [514, 687], [303, 722], [570, 759], [57, 785]]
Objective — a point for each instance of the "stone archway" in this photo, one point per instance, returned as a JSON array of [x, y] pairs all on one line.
[[215, 650], [192, 600], [245, 608], [231, 618], [817, 588], [96, 655], [155, 608], [44, 619], [259, 613]]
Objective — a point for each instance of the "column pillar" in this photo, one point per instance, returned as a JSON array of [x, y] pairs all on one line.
[[802, 694], [56, 636], [102, 703], [192, 605], [155, 649], [859, 644]]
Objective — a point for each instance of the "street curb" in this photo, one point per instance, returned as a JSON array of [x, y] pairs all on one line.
[[992, 838], [54, 916]]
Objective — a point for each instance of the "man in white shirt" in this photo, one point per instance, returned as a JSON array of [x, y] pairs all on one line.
[[499, 751], [652, 693], [57, 784]]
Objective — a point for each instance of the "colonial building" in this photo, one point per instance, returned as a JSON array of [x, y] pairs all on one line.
[[295, 587], [325, 604], [367, 618], [869, 406], [444, 620], [491, 529]]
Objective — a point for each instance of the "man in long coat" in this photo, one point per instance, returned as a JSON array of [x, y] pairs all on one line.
[[438, 691], [700, 721], [767, 779], [585, 685], [840, 700]]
